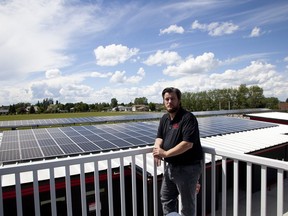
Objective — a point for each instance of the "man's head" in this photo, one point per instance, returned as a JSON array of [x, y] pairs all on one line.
[[171, 99]]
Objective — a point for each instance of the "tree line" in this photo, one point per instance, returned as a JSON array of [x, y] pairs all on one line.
[[242, 97]]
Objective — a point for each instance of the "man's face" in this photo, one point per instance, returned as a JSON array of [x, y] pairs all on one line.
[[171, 102]]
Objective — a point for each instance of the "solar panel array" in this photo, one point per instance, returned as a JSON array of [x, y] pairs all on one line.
[[104, 119], [32, 144], [72, 121]]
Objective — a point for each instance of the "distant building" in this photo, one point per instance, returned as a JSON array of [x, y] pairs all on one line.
[[140, 108], [283, 106], [122, 108], [29, 107], [4, 111]]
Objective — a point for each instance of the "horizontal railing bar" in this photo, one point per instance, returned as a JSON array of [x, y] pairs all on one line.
[[272, 163], [69, 161]]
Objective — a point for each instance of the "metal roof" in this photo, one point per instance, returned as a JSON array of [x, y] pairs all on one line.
[[270, 115]]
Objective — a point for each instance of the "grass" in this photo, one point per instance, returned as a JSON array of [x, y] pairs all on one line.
[[62, 115]]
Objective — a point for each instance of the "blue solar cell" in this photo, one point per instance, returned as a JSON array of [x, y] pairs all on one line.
[[78, 139], [31, 153], [105, 145], [88, 146], [107, 136], [11, 155], [63, 141], [50, 151], [9, 146], [28, 144], [94, 137], [135, 141], [71, 149], [46, 142], [71, 133], [121, 143], [148, 140]]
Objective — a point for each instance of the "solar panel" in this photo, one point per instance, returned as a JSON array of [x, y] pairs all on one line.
[[71, 121], [21, 145], [104, 119]]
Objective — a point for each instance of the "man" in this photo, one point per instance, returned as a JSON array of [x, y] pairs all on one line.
[[178, 143]]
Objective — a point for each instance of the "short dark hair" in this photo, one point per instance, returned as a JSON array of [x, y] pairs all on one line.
[[170, 90]]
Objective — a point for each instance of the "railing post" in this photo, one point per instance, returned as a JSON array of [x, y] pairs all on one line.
[[134, 188], [122, 188], [155, 189], [97, 189], [213, 185], [1, 200], [236, 188], [83, 189], [68, 190], [203, 187], [145, 191], [280, 189], [18, 194], [110, 188], [53, 192], [263, 190], [36, 193], [249, 190], [224, 186]]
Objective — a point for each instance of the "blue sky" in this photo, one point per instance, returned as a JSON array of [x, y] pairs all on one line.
[[93, 51]]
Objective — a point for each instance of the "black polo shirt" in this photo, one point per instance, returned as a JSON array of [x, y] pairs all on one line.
[[184, 127]]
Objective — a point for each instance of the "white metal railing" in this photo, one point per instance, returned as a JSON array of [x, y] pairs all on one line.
[[131, 156]]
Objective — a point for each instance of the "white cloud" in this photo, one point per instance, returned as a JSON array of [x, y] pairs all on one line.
[[101, 75], [256, 32], [255, 74], [141, 72], [172, 29], [53, 73], [216, 28], [75, 91], [286, 59], [200, 64], [35, 34], [163, 58], [113, 54], [119, 77]]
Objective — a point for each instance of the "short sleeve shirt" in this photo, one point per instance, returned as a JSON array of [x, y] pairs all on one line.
[[184, 127]]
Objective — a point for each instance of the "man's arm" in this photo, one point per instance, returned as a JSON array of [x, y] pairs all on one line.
[[177, 150], [158, 142]]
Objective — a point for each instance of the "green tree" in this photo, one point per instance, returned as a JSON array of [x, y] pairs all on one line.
[[114, 102], [141, 101], [152, 106], [81, 107], [271, 103], [32, 110], [255, 97], [12, 109]]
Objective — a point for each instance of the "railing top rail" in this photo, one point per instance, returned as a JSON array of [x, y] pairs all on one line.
[[46, 164], [254, 159]]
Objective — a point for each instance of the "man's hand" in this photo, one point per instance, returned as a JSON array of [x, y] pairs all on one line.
[[157, 160], [159, 152]]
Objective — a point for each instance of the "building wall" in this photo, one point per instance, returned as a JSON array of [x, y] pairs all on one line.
[[283, 106]]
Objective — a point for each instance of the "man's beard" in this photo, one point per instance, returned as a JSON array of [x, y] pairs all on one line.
[[173, 110]]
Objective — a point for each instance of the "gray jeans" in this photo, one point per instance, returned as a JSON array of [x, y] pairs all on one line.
[[181, 180]]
